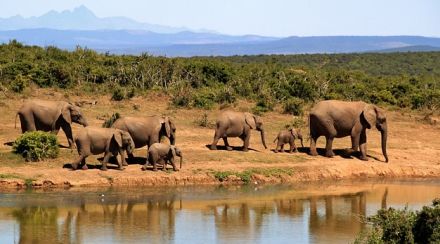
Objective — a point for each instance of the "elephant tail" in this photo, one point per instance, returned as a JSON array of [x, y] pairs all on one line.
[[15, 123], [276, 139]]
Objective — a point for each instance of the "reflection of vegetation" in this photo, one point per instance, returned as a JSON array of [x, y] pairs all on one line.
[[404, 226], [408, 80]]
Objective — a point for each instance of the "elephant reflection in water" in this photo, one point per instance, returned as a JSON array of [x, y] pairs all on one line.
[[40, 225], [240, 220], [153, 220], [328, 227], [290, 207]]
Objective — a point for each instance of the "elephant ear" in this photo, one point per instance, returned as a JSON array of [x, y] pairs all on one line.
[[293, 132], [117, 136], [172, 151], [65, 112], [166, 124], [250, 120], [369, 115]]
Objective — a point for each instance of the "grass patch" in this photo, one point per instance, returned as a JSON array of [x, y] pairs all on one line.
[[9, 176], [28, 182], [246, 175]]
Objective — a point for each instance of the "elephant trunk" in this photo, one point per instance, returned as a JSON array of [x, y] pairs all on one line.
[[181, 160], [263, 138], [384, 135], [301, 139], [83, 122]]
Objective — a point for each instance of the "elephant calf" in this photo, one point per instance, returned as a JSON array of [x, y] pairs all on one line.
[[288, 136], [110, 141], [163, 153]]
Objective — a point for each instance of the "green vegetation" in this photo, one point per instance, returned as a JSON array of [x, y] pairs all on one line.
[[9, 176], [246, 175], [406, 80], [404, 226], [36, 145], [109, 122]]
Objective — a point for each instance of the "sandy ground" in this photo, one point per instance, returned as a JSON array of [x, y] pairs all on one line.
[[413, 148]]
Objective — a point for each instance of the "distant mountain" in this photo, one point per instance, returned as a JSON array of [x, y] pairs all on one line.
[[421, 48], [117, 40], [81, 18]]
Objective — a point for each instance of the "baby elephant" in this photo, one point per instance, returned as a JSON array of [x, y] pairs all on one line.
[[110, 141], [288, 136], [163, 153]]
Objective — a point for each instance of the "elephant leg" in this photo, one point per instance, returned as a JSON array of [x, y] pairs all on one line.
[[173, 164], [282, 148], [216, 138], [68, 131], [225, 140], [123, 154], [293, 147], [278, 147], [107, 156], [246, 139], [313, 140], [328, 147], [363, 145], [77, 162]]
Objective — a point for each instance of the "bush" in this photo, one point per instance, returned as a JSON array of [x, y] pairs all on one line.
[[109, 122], [118, 94], [203, 121], [36, 145], [293, 106], [19, 83], [404, 226]]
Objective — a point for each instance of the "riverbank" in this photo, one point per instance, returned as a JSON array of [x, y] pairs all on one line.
[[413, 148]]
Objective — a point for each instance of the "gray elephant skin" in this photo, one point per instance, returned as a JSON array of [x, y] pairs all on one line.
[[163, 153], [237, 124], [336, 119], [110, 141], [288, 136], [50, 116], [146, 131]]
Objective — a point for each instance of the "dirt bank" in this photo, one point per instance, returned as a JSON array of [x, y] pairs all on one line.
[[413, 148]]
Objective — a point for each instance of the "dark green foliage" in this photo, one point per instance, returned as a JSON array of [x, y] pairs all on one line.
[[407, 80], [37, 145], [109, 122], [293, 106], [404, 226], [19, 83], [427, 225], [118, 94]]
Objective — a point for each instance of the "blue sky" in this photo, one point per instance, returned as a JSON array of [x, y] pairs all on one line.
[[262, 17]]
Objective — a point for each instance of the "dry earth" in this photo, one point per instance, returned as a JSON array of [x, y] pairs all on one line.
[[413, 148]]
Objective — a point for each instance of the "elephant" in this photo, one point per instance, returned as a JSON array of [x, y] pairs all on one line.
[[237, 124], [50, 116], [288, 136], [163, 153], [336, 119], [95, 140], [147, 130]]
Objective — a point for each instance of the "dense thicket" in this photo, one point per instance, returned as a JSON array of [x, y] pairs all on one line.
[[398, 79]]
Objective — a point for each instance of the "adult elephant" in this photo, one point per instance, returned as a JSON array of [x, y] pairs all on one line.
[[50, 116], [237, 124], [147, 130], [336, 119]]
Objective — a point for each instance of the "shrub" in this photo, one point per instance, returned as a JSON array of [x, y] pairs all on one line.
[[37, 145], [109, 122], [404, 226], [19, 83], [118, 94], [203, 121], [293, 106]]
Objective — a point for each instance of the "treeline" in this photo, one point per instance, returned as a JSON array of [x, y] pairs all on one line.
[[407, 80]]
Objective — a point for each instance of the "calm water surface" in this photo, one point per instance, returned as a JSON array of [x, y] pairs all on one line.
[[324, 213]]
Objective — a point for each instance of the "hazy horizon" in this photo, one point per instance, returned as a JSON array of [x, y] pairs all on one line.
[[280, 18]]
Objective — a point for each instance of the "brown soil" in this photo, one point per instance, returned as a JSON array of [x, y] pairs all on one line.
[[413, 148]]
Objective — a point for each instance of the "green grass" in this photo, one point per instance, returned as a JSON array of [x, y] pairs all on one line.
[[10, 176], [246, 175]]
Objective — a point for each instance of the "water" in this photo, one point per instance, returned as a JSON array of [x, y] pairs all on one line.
[[307, 213]]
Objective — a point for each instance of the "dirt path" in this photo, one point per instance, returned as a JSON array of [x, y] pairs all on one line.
[[413, 148]]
